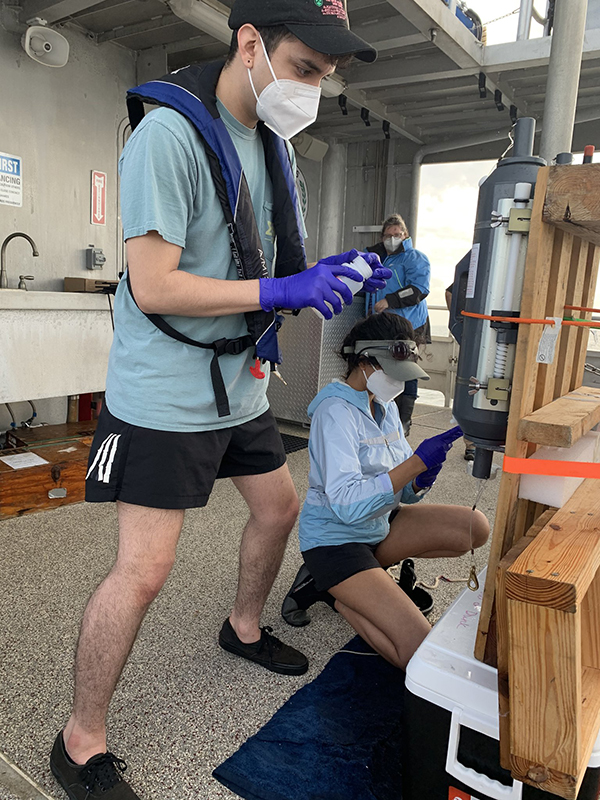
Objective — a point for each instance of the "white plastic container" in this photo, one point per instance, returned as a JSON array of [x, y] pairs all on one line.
[[451, 719], [359, 265], [553, 490]]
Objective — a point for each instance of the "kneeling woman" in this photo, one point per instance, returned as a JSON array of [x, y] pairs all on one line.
[[361, 468]]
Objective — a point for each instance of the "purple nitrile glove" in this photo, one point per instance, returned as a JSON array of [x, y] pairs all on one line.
[[426, 479], [340, 258], [433, 451], [313, 287], [380, 275]]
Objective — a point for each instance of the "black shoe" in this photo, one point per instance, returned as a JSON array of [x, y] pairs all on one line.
[[268, 651], [302, 595], [98, 777], [407, 582]]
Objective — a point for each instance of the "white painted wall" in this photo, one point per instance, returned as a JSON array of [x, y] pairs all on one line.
[[63, 123]]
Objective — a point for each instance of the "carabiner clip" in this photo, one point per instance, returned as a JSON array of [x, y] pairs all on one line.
[[473, 582]]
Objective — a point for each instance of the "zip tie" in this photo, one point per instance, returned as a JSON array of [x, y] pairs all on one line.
[[561, 469]]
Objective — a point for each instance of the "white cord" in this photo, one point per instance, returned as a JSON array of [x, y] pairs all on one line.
[[357, 653]]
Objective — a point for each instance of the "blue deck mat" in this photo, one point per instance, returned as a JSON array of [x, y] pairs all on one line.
[[337, 738]]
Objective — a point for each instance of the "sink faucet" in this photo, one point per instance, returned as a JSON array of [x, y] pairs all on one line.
[[3, 275]]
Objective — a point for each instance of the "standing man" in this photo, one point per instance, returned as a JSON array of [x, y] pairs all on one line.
[[207, 194], [404, 294]]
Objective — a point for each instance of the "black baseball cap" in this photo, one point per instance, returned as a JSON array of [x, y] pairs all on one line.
[[321, 24]]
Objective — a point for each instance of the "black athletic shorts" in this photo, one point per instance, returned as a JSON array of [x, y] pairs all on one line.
[[165, 469], [332, 564]]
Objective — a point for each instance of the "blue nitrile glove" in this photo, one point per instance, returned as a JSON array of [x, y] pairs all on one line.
[[380, 275], [433, 451], [313, 287], [426, 479]]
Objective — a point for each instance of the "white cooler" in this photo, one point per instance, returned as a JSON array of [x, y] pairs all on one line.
[[450, 744]]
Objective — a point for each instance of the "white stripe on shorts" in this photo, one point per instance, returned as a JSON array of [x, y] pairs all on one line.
[[101, 450], [111, 458]]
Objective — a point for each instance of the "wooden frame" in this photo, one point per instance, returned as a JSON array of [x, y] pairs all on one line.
[[542, 630]]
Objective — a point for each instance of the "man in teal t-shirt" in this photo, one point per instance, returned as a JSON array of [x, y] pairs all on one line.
[[161, 441]]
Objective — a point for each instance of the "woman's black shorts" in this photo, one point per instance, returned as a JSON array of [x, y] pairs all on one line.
[[165, 469], [332, 564]]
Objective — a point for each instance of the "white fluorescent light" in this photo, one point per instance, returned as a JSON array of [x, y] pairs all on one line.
[[210, 17]]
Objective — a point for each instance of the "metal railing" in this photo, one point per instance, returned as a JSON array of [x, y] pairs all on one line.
[[528, 12]]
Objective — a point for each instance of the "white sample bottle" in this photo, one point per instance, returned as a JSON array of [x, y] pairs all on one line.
[[359, 265]]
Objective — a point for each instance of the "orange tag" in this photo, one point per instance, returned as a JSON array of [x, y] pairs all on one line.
[[457, 794], [541, 466], [257, 371]]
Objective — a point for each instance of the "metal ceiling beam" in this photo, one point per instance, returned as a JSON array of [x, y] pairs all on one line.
[[414, 93], [54, 10], [380, 111], [193, 43], [487, 113], [407, 80], [528, 53], [399, 42], [124, 31], [402, 71], [460, 103], [452, 38]]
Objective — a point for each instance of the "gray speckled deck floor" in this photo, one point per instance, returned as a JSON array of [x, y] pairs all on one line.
[[182, 705]]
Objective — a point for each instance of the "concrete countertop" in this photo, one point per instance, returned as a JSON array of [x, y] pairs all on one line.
[[20, 300]]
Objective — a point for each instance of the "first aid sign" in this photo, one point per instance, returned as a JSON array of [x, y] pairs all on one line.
[[11, 180]]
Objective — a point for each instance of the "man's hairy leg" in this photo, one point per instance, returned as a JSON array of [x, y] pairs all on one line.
[[147, 543], [273, 505]]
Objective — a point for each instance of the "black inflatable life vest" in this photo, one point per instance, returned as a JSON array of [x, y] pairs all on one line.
[[192, 92]]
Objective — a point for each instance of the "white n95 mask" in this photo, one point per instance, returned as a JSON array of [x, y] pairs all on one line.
[[285, 106], [393, 243], [383, 387]]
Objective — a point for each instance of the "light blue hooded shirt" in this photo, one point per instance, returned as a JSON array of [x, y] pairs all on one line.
[[351, 452]]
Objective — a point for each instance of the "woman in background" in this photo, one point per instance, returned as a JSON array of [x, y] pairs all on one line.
[[404, 294]]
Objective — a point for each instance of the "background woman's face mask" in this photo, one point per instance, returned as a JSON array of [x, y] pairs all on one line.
[[392, 243], [285, 106], [383, 387]]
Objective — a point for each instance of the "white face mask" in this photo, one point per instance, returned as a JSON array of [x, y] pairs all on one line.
[[382, 386], [287, 107], [393, 243]]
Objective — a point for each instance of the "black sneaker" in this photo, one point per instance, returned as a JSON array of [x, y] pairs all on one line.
[[407, 582], [98, 777], [268, 651], [302, 595]]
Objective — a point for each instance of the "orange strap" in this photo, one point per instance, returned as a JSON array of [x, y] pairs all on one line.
[[539, 466], [518, 320], [583, 308], [521, 320]]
